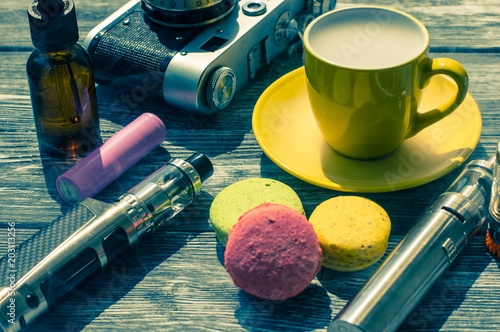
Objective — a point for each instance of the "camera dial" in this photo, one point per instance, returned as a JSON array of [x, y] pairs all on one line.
[[187, 13], [221, 87]]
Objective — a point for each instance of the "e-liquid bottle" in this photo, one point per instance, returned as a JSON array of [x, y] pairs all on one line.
[[492, 238], [61, 82]]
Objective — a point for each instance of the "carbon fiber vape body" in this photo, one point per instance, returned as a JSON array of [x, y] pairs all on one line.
[[64, 256]]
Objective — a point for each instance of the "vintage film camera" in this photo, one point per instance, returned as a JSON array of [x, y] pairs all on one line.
[[196, 53]]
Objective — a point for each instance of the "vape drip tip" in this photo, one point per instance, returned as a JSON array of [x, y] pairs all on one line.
[[493, 234]]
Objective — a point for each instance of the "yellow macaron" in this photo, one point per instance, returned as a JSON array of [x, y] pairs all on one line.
[[353, 232]]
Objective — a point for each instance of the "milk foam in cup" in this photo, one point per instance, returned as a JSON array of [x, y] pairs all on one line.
[[366, 68]]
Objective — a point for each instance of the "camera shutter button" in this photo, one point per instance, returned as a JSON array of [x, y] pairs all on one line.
[[221, 88], [254, 8]]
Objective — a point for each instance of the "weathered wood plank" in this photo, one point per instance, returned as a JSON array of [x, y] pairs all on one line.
[[226, 137], [160, 284], [175, 280], [451, 24]]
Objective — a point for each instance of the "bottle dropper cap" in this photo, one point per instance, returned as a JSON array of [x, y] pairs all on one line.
[[53, 24], [106, 163]]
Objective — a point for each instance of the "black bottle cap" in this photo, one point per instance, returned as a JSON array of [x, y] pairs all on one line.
[[202, 164], [53, 24]]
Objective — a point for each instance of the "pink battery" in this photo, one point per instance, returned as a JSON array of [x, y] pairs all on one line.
[[106, 163]]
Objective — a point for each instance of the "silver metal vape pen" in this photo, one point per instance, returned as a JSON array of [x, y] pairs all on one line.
[[428, 249], [64, 256]]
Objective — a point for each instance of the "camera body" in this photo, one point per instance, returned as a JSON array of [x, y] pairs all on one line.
[[197, 69]]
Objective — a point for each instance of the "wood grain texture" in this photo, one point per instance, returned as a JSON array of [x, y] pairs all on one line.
[[175, 280], [451, 24]]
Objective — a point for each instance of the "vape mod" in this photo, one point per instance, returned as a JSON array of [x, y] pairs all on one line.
[[428, 249], [64, 256], [196, 54]]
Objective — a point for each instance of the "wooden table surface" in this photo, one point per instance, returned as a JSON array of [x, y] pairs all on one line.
[[175, 280]]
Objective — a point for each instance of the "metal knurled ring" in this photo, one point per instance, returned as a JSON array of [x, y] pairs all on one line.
[[191, 173]]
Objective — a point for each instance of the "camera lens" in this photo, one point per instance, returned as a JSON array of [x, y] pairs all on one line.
[[187, 13]]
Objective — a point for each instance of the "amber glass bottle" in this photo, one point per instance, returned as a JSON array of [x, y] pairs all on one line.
[[61, 82]]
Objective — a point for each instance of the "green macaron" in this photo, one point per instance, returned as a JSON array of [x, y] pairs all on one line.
[[236, 199]]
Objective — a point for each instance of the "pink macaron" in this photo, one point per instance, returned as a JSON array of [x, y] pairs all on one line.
[[273, 252]]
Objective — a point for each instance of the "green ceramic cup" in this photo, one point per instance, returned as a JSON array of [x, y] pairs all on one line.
[[366, 68]]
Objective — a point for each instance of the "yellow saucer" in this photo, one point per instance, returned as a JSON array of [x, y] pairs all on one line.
[[285, 128]]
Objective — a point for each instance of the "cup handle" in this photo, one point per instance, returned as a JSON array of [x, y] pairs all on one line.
[[452, 69]]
